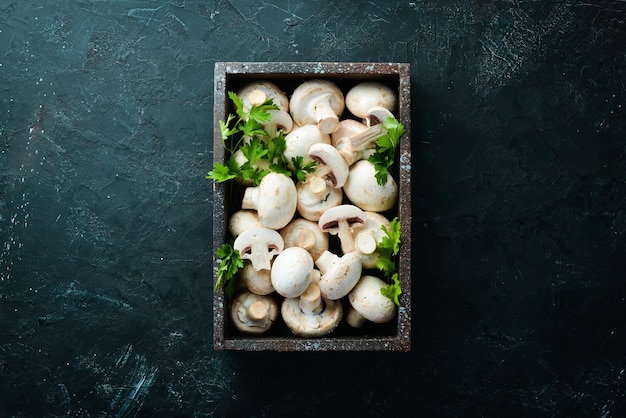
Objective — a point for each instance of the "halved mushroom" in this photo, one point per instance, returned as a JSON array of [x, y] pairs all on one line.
[[243, 220], [258, 92], [317, 102], [305, 234], [369, 304], [330, 164], [364, 191], [315, 196], [299, 140], [292, 272], [259, 245], [310, 315], [339, 274], [274, 199], [368, 94], [252, 313], [340, 220]]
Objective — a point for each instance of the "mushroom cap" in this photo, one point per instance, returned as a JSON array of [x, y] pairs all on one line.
[[362, 189], [365, 95], [341, 277], [313, 202], [270, 89], [308, 99], [243, 220], [253, 314], [275, 200], [299, 140], [291, 273], [257, 282], [311, 325], [331, 163], [330, 219], [306, 234], [343, 132], [259, 245], [366, 299]]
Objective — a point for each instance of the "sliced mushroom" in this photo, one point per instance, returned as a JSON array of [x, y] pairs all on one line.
[[253, 314], [340, 220], [339, 274], [364, 191], [330, 164], [292, 272], [317, 102], [315, 196], [368, 94], [319, 323], [258, 282], [305, 234], [299, 140], [369, 303], [259, 245], [258, 92], [274, 199]]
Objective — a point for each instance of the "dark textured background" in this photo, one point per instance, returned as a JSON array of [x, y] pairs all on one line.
[[519, 158]]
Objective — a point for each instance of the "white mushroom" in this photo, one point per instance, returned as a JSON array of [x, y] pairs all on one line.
[[292, 272], [258, 282], [340, 220], [299, 140], [369, 304], [305, 234], [367, 238], [368, 94], [259, 245], [377, 115], [354, 140], [330, 165], [243, 220], [317, 102], [253, 314], [311, 316], [274, 199], [339, 274], [258, 92], [315, 196], [363, 190], [279, 121]]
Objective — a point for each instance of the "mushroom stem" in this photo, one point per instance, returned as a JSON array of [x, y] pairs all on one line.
[[257, 97], [345, 236], [354, 318], [327, 119], [366, 243], [306, 239], [259, 256], [257, 311], [311, 300], [367, 137]]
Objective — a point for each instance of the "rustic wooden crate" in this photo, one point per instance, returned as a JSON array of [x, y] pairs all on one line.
[[393, 336]]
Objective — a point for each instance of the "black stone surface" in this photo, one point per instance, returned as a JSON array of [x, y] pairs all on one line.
[[519, 157]]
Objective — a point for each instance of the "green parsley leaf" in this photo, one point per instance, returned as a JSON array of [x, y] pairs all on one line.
[[300, 169], [254, 150], [385, 149], [230, 263], [221, 173], [393, 290]]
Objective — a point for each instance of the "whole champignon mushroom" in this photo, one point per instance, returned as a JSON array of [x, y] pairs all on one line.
[[368, 94], [376, 116], [369, 304], [363, 190], [340, 220], [292, 272], [299, 140], [253, 314], [275, 200], [258, 282], [259, 245], [305, 234], [258, 92], [339, 274], [315, 196], [243, 220], [310, 315], [330, 165], [317, 102], [367, 238]]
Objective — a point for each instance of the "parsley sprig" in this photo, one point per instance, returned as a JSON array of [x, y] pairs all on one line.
[[388, 249], [385, 149], [244, 131], [230, 263]]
